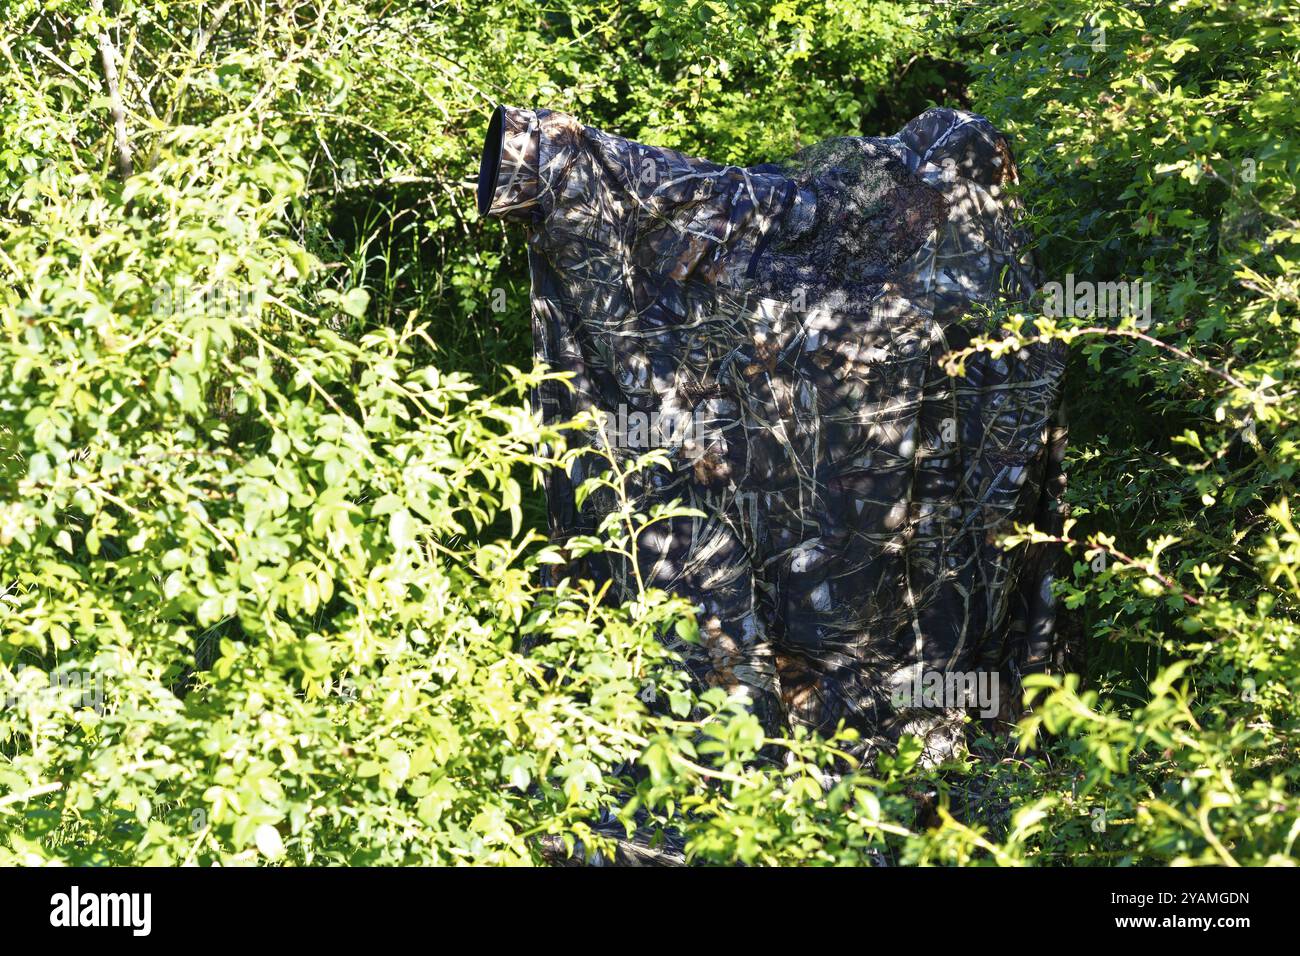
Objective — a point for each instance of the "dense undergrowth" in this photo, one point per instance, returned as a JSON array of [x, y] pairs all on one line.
[[269, 490]]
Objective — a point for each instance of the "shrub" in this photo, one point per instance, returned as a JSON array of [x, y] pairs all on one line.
[[268, 518]]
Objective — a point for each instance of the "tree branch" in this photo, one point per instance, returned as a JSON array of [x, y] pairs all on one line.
[[201, 40], [116, 112]]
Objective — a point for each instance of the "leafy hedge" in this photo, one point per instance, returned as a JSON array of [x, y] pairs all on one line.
[[267, 513]]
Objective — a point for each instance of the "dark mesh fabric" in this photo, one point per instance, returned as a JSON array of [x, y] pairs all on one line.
[[785, 327]]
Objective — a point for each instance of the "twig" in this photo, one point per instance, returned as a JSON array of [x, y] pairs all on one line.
[[201, 41], [60, 64], [30, 793], [955, 358], [1127, 561], [366, 183], [116, 112]]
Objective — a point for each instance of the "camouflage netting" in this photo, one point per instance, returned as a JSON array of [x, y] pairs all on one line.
[[782, 328]]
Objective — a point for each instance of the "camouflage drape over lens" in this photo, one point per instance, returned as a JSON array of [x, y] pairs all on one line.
[[783, 328]]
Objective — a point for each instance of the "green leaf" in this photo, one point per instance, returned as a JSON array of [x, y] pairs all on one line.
[[354, 302], [268, 841], [401, 529]]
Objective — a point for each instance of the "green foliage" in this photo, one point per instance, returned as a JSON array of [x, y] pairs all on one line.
[[267, 585], [268, 547], [1158, 143]]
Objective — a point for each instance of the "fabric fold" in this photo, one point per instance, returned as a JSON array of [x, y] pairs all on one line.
[[508, 183]]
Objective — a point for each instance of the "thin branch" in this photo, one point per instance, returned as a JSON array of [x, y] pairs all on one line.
[[954, 359], [367, 183], [60, 64], [108, 56], [1149, 569], [201, 41]]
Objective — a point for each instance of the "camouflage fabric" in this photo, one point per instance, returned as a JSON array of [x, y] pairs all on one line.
[[782, 330]]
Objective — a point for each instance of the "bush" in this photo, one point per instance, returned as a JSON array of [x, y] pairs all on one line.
[[268, 517], [267, 580]]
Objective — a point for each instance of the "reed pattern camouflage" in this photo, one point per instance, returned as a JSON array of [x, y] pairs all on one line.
[[791, 320]]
